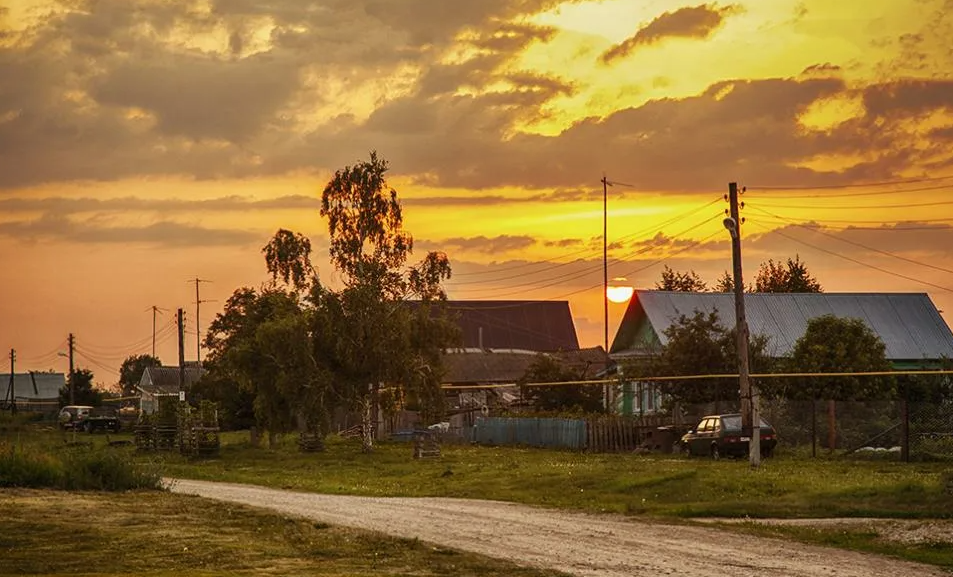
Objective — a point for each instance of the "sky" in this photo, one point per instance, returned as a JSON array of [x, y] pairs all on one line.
[[147, 143]]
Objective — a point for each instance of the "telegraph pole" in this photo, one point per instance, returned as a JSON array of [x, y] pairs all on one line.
[[179, 316], [72, 395], [198, 328], [605, 276], [13, 379], [751, 423], [155, 310]]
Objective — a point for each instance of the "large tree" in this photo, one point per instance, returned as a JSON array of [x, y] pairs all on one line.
[[378, 340], [563, 398], [839, 345], [83, 391], [791, 276], [701, 345], [680, 281], [131, 371]]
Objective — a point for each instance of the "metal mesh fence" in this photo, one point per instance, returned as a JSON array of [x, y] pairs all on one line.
[[890, 430]]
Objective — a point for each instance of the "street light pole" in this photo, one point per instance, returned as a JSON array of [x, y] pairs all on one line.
[[751, 421], [605, 277]]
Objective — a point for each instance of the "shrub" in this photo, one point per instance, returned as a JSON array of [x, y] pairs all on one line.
[[75, 468]]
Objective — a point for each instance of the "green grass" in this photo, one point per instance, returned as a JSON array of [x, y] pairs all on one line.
[[156, 533], [655, 485]]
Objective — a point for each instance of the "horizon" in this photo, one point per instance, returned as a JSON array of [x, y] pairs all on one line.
[[146, 144]]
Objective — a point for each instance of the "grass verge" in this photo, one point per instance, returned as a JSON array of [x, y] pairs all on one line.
[[161, 534], [654, 485]]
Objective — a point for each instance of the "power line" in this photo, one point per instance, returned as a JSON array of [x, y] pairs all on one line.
[[858, 206], [857, 185], [587, 271], [853, 260], [856, 194], [587, 251], [860, 245], [893, 226]]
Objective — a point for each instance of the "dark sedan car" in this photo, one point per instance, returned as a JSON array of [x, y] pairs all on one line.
[[721, 435]]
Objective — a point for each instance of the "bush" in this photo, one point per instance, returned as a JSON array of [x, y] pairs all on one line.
[[75, 468]]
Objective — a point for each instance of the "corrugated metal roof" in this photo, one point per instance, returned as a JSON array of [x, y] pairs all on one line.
[[165, 380], [908, 323], [526, 325], [33, 386]]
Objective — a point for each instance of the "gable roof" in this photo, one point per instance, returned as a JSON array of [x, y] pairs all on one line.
[[488, 366], [909, 324], [165, 380], [524, 325], [32, 386]]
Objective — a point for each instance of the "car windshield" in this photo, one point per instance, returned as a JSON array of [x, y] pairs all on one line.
[[733, 423]]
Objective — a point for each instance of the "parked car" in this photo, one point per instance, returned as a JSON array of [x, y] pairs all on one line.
[[73, 416], [89, 419], [721, 435]]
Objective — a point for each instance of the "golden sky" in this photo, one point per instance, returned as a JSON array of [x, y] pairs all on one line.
[[144, 143]]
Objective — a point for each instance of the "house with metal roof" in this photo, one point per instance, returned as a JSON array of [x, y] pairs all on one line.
[[537, 326], [909, 324], [164, 382], [33, 391]]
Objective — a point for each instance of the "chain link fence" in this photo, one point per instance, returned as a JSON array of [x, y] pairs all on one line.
[[889, 430]]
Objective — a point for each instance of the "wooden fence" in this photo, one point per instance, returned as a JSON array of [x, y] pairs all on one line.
[[594, 434]]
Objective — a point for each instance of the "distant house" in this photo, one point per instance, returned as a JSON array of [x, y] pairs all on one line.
[[33, 391], [539, 326], [163, 382], [499, 370], [909, 324]]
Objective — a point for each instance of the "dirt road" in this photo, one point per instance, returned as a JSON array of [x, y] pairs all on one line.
[[579, 544]]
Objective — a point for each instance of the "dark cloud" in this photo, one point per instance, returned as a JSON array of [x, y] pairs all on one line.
[[822, 69], [564, 242], [67, 206], [165, 233], [73, 90], [697, 22], [488, 245]]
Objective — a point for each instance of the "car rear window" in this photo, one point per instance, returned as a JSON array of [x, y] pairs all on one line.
[[734, 423]]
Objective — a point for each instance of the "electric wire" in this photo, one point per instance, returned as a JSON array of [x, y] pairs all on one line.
[[893, 226], [858, 206], [858, 244], [583, 273], [856, 194], [853, 260], [586, 251], [857, 185]]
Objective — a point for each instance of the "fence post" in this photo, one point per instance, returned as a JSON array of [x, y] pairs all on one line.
[[905, 435], [814, 428]]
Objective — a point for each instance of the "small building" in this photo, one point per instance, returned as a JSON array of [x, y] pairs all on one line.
[[164, 382], [33, 391], [909, 324]]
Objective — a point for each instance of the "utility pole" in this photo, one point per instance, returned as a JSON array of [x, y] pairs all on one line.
[[180, 317], [72, 394], [751, 422], [198, 328], [605, 278], [155, 310], [13, 379]]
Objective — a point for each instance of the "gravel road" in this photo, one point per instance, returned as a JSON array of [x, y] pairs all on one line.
[[576, 543]]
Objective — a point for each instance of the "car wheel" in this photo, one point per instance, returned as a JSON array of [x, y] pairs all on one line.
[[715, 453], [88, 427], [767, 453], [685, 449]]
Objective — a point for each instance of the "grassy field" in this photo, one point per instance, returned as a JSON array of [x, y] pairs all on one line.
[[157, 533], [648, 486], [663, 486]]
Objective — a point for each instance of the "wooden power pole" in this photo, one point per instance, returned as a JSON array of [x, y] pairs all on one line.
[[179, 318], [71, 340], [751, 421]]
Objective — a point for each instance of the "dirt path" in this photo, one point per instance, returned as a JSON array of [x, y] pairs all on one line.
[[577, 543]]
